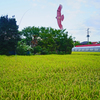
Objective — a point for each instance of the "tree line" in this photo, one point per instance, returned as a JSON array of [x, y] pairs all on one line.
[[32, 40]]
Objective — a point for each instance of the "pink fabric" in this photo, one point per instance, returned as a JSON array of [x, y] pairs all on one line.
[[59, 17]]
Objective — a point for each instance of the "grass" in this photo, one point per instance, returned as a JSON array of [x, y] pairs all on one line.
[[50, 77]]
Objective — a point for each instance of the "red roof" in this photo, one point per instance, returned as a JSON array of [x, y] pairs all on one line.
[[87, 45], [94, 42]]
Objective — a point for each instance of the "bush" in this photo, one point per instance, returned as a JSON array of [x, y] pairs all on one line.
[[44, 51], [37, 49], [23, 49]]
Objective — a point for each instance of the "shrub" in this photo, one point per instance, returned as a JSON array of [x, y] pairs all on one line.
[[44, 51], [23, 49], [37, 49]]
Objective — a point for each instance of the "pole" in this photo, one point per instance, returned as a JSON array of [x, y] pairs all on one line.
[[88, 35]]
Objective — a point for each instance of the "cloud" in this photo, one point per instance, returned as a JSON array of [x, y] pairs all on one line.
[[34, 4], [52, 4], [96, 3], [93, 21], [78, 16]]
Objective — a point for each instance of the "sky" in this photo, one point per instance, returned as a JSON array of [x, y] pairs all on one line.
[[79, 15]]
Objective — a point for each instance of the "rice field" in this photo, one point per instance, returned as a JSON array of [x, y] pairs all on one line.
[[50, 77]]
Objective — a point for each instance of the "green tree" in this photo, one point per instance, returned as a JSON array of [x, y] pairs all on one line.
[[77, 43], [89, 43], [64, 43], [9, 35], [30, 33], [55, 40], [48, 40], [98, 42]]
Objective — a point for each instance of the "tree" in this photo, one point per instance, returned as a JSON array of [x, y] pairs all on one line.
[[47, 39], [51, 40], [98, 42], [64, 43], [55, 41], [77, 43], [9, 35], [30, 33]]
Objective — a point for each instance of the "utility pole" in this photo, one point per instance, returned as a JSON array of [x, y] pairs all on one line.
[[88, 35]]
